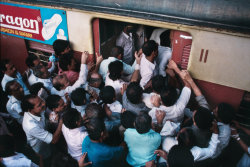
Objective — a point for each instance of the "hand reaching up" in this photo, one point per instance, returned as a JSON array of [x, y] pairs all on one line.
[[138, 57], [84, 57]]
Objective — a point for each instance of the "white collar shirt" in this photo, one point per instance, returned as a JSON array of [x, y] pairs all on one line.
[[13, 107], [115, 106], [74, 139], [80, 109], [37, 137]]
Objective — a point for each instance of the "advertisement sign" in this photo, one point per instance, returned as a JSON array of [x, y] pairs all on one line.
[[39, 24]]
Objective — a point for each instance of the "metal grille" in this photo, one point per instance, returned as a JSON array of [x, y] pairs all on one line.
[[185, 57]]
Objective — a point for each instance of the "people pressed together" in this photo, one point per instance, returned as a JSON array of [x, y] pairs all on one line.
[[132, 109]]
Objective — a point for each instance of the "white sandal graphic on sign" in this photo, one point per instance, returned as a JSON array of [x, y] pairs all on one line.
[[50, 25]]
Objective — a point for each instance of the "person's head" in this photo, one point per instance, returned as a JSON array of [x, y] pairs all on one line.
[[78, 97], [95, 80], [134, 92], [128, 119], [117, 52], [150, 48], [60, 82], [107, 94], [8, 68], [61, 47], [224, 113], [33, 104], [143, 122], [7, 146], [55, 103], [115, 70], [96, 129], [128, 28], [13, 88], [94, 110], [63, 160], [169, 96], [39, 90], [202, 118], [165, 38], [32, 60], [67, 62], [179, 156], [72, 118], [186, 138], [158, 83], [41, 71]]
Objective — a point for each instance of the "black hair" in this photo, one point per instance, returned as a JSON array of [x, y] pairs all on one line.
[[3, 64], [203, 118], [116, 51], [94, 110], [186, 138], [143, 122], [37, 70], [52, 101], [95, 127], [134, 92], [169, 96], [35, 88], [78, 97], [115, 70], [128, 119], [63, 160], [158, 83], [8, 91], [30, 60], [225, 113], [60, 45], [165, 38], [70, 118], [25, 104], [7, 146], [148, 47], [65, 60], [57, 85], [179, 156], [107, 94]]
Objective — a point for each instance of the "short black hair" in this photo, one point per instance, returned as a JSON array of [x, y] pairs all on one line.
[[25, 104], [63, 160], [71, 117], [165, 38], [94, 110], [158, 83], [143, 122], [226, 113], [115, 70], [65, 60], [7, 146], [8, 91], [52, 101], [95, 127], [3, 64], [203, 118], [37, 70], [134, 92], [60, 45], [78, 97], [148, 47], [30, 59], [107, 94], [36, 87], [169, 96], [186, 138], [179, 156], [128, 119], [116, 51]]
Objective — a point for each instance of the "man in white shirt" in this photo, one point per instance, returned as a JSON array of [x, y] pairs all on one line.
[[62, 85], [34, 126], [116, 54], [126, 41], [10, 73], [16, 93], [148, 64], [73, 132]]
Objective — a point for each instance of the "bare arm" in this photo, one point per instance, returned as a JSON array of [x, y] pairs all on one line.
[[58, 132], [136, 73], [99, 59]]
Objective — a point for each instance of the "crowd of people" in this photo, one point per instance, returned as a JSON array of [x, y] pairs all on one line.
[[135, 108]]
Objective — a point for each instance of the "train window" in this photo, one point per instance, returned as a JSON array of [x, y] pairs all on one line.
[[109, 30]]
